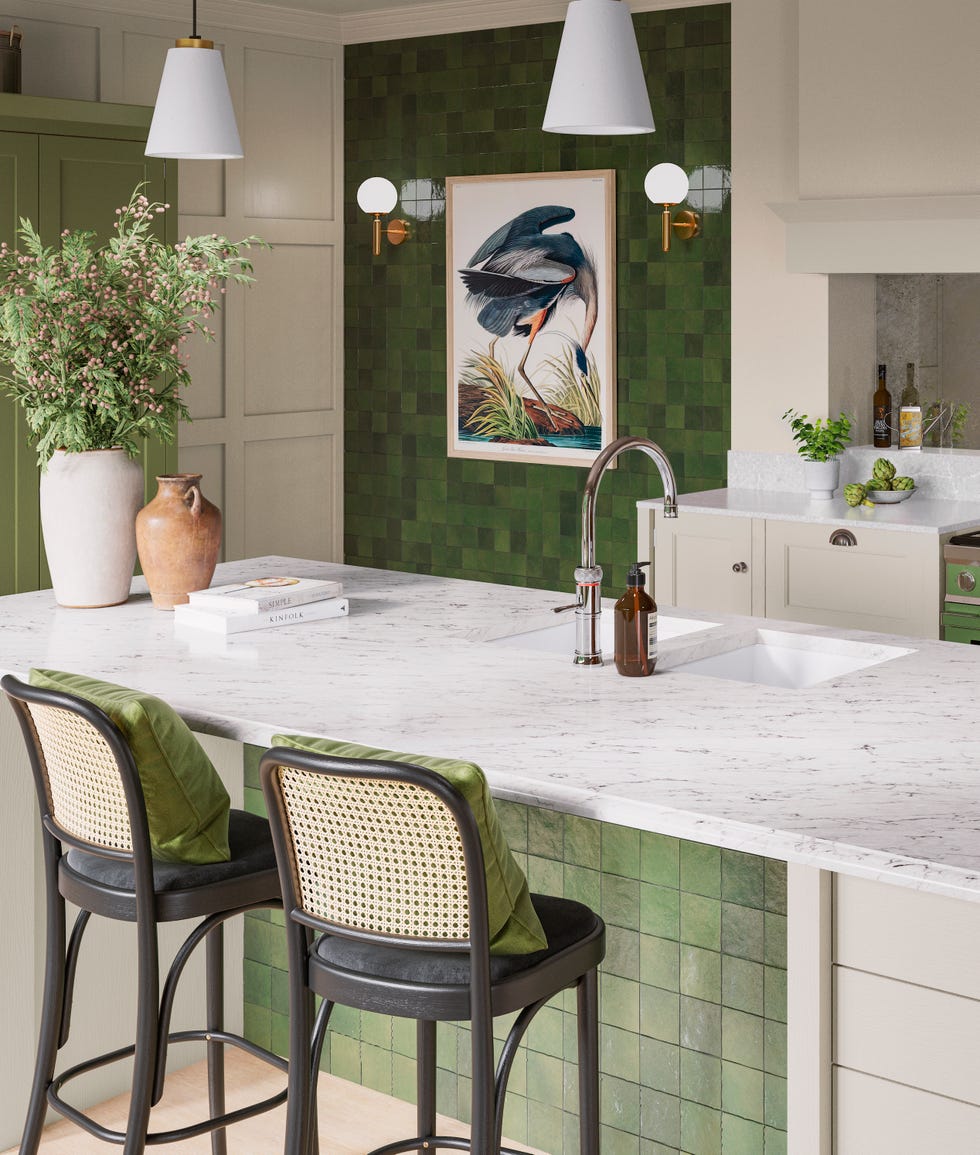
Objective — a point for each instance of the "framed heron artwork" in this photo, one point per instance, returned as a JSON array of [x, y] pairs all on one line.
[[531, 316]]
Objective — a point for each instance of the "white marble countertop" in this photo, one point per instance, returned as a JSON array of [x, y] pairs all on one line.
[[918, 514], [875, 773]]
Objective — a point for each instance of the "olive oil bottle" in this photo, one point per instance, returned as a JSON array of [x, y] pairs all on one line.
[[882, 410], [910, 415]]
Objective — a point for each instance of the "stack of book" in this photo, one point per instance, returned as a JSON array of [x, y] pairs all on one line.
[[260, 603]]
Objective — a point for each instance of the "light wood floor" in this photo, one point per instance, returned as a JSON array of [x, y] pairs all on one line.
[[353, 1119]]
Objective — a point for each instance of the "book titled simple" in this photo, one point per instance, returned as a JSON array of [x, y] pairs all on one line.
[[223, 621], [266, 593]]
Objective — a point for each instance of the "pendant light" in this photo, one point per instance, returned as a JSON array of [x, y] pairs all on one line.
[[598, 87], [193, 118]]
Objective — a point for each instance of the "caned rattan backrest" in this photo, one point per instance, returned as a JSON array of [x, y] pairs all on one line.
[[374, 854], [84, 786], [87, 783]]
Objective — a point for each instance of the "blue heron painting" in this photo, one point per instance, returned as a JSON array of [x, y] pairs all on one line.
[[521, 276], [530, 319]]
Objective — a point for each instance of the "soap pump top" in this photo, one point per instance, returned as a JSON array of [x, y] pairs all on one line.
[[636, 626], [635, 576]]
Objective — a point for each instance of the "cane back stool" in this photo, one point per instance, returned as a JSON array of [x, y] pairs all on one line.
[[97, 855], [385, 896]]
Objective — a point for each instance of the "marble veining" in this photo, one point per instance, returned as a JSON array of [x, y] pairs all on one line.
[[875, 773], [945, 475], [919, 514]]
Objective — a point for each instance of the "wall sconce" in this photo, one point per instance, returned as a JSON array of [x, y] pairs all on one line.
[[667, 185], [379, 196]]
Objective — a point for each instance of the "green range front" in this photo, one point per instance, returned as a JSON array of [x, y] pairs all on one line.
[[961, 617]]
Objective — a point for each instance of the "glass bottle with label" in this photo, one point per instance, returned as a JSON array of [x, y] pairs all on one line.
[[910, 415], [636, 627], [882, 410]]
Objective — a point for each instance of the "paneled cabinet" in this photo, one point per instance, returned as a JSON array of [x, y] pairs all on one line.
[[855, 577], [64, 165]]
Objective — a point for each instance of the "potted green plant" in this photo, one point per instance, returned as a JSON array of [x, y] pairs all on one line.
[[93, 338], [820, 443]]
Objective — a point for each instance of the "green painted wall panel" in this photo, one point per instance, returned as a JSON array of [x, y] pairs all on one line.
[[19, 516]]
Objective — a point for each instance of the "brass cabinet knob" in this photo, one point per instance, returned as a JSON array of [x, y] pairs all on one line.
[[966, 581]]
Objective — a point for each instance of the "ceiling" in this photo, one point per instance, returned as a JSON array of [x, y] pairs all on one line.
[[341, 7]]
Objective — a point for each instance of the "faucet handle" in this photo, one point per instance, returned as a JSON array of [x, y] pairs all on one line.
[[562, 609]]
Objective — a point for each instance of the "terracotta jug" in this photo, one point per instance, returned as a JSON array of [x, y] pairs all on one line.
[[178, 535]]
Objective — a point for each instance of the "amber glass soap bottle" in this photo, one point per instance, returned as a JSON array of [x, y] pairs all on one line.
[[636, 626]]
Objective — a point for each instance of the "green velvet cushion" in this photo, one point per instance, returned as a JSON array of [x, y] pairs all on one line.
[[514, 925], [187, 804]]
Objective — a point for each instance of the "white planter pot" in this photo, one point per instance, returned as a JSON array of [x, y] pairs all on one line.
[[89, 503], [822, 478]]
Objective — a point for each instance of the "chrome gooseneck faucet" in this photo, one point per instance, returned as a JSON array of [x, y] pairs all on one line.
[[588, 576]]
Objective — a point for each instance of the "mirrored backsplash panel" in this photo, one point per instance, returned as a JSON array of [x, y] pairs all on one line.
[[933, 321]]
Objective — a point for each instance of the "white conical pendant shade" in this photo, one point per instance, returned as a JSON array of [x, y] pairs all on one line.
[[193, 118], [598, 87]]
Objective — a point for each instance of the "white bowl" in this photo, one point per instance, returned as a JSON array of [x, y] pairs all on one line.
[[889, 496]]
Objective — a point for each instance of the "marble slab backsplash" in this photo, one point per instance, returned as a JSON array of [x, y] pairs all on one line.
[[939, 473]]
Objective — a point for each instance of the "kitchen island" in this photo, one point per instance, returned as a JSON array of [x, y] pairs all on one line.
[[871, 776]]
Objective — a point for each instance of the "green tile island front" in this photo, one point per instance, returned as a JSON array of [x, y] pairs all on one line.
[[692, 997], [779, 869]]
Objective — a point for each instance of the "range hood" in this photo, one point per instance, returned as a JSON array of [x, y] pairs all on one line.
[[934, 234]]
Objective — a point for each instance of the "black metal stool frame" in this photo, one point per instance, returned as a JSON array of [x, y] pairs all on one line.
[[478, 1002], [144, 905]]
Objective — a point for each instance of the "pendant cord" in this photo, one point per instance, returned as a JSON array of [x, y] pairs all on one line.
[[194, 19]]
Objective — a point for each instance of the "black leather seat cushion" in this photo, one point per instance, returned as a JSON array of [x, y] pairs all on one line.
[[252, 852], [565, 923]]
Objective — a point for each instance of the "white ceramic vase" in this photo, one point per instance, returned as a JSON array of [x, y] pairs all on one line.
[[822, 478], [89, 503]]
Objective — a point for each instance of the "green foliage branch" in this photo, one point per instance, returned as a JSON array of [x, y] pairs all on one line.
[[819, 440], [93, 336]]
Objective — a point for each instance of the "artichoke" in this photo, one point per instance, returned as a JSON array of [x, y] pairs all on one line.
[[878, 483], [854, 494], [883, 470], [903, 483]]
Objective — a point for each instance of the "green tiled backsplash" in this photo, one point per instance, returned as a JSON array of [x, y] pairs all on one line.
[[692, 998], [471, 104]]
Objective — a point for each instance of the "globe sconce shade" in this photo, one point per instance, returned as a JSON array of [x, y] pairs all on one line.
[[598, 87], [193, 118], [378, 196], [667, 185]]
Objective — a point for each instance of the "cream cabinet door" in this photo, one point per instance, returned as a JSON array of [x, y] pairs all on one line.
[[887, 580], [705, 561]]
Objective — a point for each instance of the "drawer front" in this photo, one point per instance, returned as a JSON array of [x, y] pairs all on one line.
[[875, 1117], [887, 580], [873, 931], [913, 1035]]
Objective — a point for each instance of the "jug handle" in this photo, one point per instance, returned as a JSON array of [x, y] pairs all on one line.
[[194, 494]]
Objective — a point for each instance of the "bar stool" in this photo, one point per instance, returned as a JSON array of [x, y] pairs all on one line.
[[97, 855], [385, 895]]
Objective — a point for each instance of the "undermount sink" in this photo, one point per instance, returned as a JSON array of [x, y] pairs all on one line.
[[792, 661], [560, 639]]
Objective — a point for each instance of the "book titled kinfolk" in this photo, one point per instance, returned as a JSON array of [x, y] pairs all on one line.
[[259, 595], [220, 620]]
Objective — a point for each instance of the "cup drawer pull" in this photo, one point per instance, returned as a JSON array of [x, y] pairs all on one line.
[[843, 537]]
